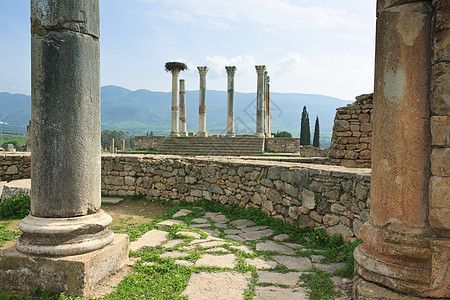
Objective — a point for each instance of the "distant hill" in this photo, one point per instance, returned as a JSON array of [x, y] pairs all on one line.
[[142, 111]]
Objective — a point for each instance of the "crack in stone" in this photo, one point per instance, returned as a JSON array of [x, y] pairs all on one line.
[[38, 29]]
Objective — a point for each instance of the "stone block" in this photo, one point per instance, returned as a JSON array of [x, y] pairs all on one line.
[[440, 162], [330, 220], [341, 125], [74, 275], [342, 133], [441, 32], [308, 199], [306, 221], [366, 127], [440, 89], [316, 217], [439, 202], [351, 155], [340, 229], [440, 131], [365, 154]]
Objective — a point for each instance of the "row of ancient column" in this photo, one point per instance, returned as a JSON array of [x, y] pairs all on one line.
[[263, 125]]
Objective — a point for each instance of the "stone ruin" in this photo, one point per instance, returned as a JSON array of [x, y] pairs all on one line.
[[351, 143]]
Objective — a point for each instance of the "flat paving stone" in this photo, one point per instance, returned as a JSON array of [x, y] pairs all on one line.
[[214, 232], [260, 263], [200, 220], [233, 231], [218, 249], [203, 225], [221, 225], [182, 213], [221, 261], [329, 268], [254, 228], [290, 279], [210, 215], [172, 244], [242, 223], [151, 238], [317, 258], [168, 223], [281, 237], [195, 235], [217, 286], [242, 248], [256, 235], [294, 245], [293, 262], [219, 219], [273, 292], [184, 263], [212, 244], [107, 200], [174, 254], [272, 246], [237, 238]]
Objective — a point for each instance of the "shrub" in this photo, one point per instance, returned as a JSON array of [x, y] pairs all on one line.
[[16, 207]]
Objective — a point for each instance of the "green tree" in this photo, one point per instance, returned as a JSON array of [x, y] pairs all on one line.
[[316, 139], [305, 131], [282, 134], [118, 136]]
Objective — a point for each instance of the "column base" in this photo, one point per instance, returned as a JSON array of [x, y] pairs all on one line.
[[174, 134], [183, 134], [202, 134], [231, 135], [260, 135], [74, 275]]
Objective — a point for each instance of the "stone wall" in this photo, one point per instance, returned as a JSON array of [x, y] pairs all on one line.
[[147, 142], [332, 197], [15, 166], [292, 145], [351, 143]]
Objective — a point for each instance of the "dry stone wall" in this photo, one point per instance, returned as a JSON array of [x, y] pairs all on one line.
[[292, 145], [331, 197], [351, 143], [148, 142]]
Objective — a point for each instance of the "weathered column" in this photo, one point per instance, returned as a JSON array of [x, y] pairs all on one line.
[[231, 70], [122, 145], [202, 102], [268, 115], [266, 105], [111, 146], [401, 253], [66, 224], [260, 101], [29, 137], [174, 122], [183, 131]]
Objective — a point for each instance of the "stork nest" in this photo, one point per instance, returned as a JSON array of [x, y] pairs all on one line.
[[173, 65]]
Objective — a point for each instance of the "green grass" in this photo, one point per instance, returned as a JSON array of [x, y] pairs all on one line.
[[319, 284], [8, 139], [6, 235]]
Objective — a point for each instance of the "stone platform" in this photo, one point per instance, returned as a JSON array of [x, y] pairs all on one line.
[[74, 275]]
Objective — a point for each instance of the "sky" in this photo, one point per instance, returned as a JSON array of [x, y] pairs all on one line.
[[308, 46]]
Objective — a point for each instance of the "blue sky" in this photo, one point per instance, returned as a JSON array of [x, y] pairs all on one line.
[[309, 46]]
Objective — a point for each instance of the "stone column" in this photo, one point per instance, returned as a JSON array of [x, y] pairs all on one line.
[[122, 145], [66, 243], [29, 137], [183, 131], [202, 102], [268, 114], [231, 70], [111, 146], [266, 105], [174, 122], [401, 253], [260, 101]]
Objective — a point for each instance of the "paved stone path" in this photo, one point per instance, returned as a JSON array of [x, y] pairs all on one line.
[[222, 243]]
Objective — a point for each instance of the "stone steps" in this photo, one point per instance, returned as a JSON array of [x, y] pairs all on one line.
[[223, 146]]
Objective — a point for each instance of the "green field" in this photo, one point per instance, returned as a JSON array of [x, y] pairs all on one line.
[[19, 140]]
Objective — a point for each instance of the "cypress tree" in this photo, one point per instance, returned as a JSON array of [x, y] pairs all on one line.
[[316, 139], [305, 131]]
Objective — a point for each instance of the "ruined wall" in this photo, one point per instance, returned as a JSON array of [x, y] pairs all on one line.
[[351, 143], [147, 142], [292, 145], [332, 197], [15, 166]]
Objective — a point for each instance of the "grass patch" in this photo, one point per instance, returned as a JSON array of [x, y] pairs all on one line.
[[319, 284], [6, 235]]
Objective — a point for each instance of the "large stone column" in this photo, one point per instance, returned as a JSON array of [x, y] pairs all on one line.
[[174, 119], [401, 252], [183, 131], [267, 132], [260, 101], [66, 243], [202, 102], [231, 70], [111, 146]]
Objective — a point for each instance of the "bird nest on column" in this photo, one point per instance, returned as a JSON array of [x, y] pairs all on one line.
[[173, 65]]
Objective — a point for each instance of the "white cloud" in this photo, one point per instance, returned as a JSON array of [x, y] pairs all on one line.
[[273, 15], [244, 63]]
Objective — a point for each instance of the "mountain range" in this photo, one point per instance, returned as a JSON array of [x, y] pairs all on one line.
[[142, 111]]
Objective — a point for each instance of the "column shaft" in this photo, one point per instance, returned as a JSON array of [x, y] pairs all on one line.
[[183, 131], [260, 101], [202, 102], [174, 119], [231, 70]]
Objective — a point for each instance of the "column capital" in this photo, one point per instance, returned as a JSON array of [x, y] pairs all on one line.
[[231, 70], [202, 70], [260, 69]]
